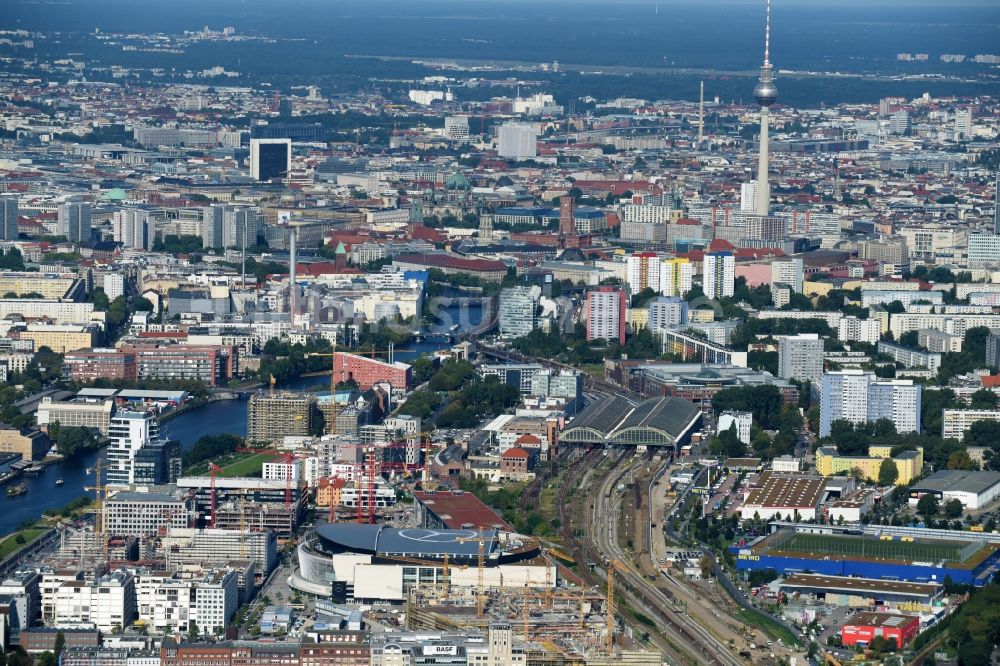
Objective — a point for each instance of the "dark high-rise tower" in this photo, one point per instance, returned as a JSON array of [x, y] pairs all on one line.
[[766, 94]]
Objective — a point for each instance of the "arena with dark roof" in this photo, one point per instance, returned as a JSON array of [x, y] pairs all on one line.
[[653, 422]]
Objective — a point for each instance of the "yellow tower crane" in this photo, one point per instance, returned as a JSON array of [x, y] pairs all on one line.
[[613, 565], [100, 492]]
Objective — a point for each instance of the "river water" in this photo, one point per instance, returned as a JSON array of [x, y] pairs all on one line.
[[222, 416]]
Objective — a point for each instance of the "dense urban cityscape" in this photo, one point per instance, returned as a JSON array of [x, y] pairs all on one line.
[[370, 359]]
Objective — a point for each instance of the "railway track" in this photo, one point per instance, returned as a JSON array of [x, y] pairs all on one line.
[[682, 639], [668, 639]]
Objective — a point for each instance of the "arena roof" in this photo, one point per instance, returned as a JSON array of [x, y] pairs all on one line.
[[384, 541], [657, 421]]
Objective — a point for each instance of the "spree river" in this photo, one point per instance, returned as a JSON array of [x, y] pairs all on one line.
[[222, 416]]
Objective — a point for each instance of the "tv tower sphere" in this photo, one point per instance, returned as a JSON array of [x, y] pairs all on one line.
[[766, 93]]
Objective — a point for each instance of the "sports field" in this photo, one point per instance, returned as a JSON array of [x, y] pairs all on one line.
[[870, 547]]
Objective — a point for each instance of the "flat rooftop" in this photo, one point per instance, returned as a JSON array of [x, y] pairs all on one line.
[[458, 510], [958, 480], [868, 586], [786, 491], [869, 619]]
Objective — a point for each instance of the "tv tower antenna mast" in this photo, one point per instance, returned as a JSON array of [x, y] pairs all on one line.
[[765, 94], [701, 115]]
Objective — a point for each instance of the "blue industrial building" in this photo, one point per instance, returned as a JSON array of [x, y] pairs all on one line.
[[978, 575]]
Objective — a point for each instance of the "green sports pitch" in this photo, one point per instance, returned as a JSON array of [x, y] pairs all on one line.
[[871, 547]]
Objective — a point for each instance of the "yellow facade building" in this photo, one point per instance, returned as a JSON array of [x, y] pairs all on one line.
[[909, 464]]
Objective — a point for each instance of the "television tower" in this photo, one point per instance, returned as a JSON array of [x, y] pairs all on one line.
[[701, 115], [766, 94]]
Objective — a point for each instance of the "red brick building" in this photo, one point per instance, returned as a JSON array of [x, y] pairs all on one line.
[[367, 372], [86, 365], [865, 626], [517, 461]]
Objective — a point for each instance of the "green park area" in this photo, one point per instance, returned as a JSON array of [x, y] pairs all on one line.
[[18, 540]]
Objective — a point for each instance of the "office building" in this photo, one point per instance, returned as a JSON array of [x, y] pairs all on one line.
[[74, 221], [456, 128], [852, 329], [144, 514], [272, 418], [218, 547], [517, 141], [32, 445], [748, 197], [207, 602], [128, 432], [133, 228], [270, 158], [667, 311], [551, 384], [719, 275], [676, 276], [107, 602], [157, 463], [801, 357], [787, 271], [984, 250], [211, 226], [963, 124], [93, 414], [8, 217], [900, 123], [519, 375], [518, 309], [113, 285], [859, 397], [605, 314]]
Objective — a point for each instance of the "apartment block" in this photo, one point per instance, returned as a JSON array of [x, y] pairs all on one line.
[[956, 422], [272, 418], [853, 329], [801, 357], [367, 372], [859, 397]]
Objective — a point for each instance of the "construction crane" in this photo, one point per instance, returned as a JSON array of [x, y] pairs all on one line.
[[101, 494], [271, 390], [613, 566], [213, 469], [243, 525], [481, 567]]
